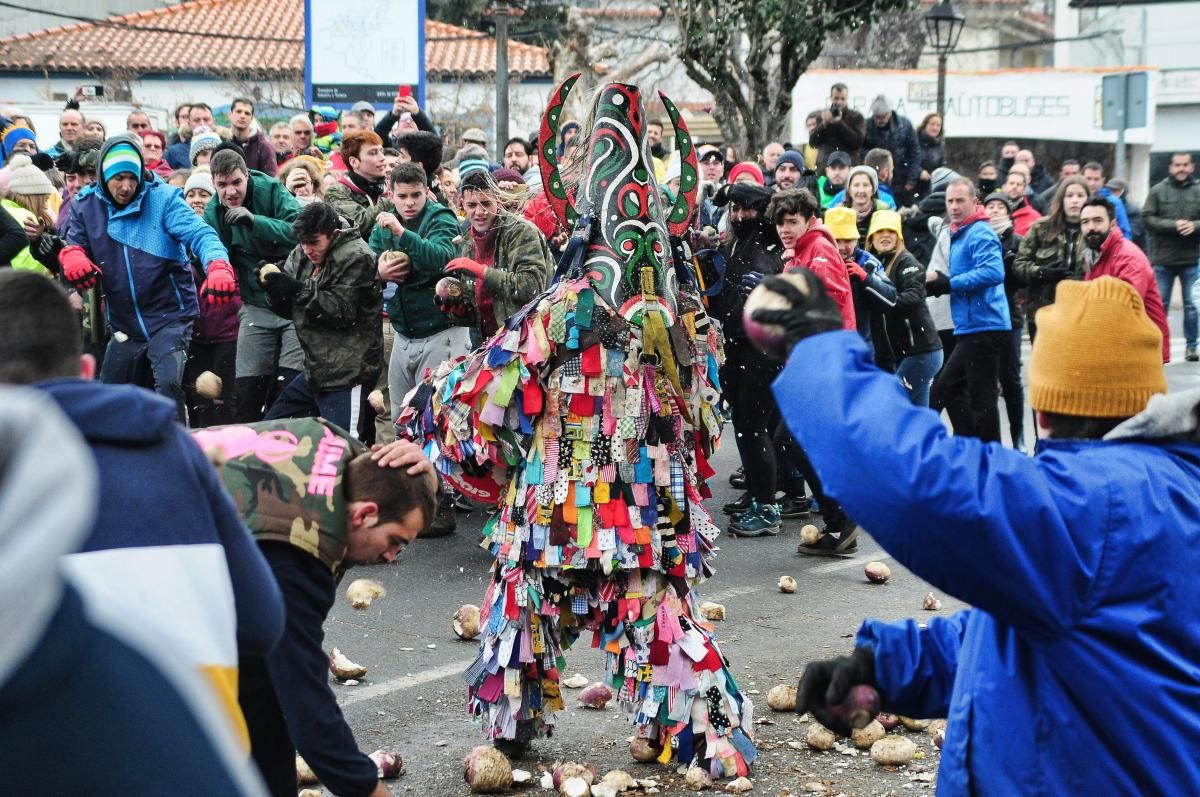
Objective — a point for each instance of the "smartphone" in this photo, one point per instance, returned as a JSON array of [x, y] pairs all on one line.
[[404, 91], [92, 91]]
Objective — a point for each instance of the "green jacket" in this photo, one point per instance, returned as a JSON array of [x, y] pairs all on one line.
[[1040, 249], [336, 314], [287, 479], [522, 269], [429, 241], [351, 203], [268, 240], [1168, 202]]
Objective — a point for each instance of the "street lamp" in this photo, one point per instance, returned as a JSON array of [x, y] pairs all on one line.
[[943, 26]]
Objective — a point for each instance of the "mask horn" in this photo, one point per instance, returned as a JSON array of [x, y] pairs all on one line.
[[556, 192], [689, 183]]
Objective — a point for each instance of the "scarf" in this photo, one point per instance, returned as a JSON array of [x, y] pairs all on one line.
[[372, 188], [485, 253]]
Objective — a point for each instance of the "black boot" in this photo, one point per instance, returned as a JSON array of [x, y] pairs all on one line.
[[251, 398]]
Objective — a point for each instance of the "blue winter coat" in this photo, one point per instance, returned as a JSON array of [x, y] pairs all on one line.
[[977, 300], [1078, 672], [142, 251], [1122, 214]]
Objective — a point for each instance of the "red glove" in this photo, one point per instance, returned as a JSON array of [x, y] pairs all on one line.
[[221, 284], [856, 271], [465, 265], [78, 269]]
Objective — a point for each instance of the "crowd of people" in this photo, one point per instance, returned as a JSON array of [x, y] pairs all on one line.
[[305, 277]]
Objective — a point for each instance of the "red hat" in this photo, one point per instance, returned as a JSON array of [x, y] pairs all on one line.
[[746, 168]]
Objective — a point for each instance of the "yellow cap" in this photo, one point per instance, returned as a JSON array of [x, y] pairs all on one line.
[[886, 220], [1097, 354], [842, 222]]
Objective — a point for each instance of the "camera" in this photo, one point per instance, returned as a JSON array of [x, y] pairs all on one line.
[[835, 111]]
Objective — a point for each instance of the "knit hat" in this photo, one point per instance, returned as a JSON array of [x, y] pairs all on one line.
[[880, 105], [362, 105], [941, 178], [119, 156], [11, 135], [842, 222], [199, 179], [837, 156], [998, 196], [31, 181], [507, 176], [885, 220], [871, 174], [202, 142], [744, 169], [468, 165], [1097, 354], [793, 157]]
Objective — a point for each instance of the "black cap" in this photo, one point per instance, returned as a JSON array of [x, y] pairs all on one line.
[[838, 156], [998, 196], [713, 154]]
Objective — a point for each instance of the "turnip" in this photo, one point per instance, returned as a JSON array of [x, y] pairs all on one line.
[[522, 776], [269, 268], [644, 750], [861, 705], [576, 681], [487, 770], [342, 668], [781, 698], [914, 725], [877, 572], [770, 338], [697, 779], [868, 735], [740, 785], [209, 385], [595, 696], [888, 721], [311, 793], [619, 779], [449, 289], [575, 787], [893, 751], [787, 584], [937, 730], [362, 591], [931, 603], [466, 622], [712, 611], [810, 534], [304, 774], [818, 737], [375, 399], [389, 764]]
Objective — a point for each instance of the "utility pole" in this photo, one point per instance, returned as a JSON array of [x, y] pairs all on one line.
[[502, 13]]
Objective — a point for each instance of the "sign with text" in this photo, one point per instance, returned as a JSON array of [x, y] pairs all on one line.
[[1049, 104], [356, 52]]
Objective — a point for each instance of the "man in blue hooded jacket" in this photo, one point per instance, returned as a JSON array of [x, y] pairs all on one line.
[[131, 232], [1078, 670]]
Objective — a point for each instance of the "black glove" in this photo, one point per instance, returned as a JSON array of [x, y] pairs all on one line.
[[280, 286], [45, 249], [827, 683], [811, 313], [1051, 275], [239, 215], [939, 286]]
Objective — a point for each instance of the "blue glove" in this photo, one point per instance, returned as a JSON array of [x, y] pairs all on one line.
[[750, 281]]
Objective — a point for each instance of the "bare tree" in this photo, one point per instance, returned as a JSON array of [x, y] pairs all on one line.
[[749, 54]]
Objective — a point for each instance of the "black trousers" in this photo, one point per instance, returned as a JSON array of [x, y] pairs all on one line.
[[218, 358], [747, 378], [968, 386], [1011, 388], [791, 454]]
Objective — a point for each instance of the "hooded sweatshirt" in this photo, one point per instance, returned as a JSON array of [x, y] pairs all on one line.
[[817, 250]]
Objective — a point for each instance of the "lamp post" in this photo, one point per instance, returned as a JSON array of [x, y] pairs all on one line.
[[943, 26]]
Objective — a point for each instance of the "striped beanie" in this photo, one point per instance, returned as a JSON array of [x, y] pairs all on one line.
[[468, 165], [121, 157]]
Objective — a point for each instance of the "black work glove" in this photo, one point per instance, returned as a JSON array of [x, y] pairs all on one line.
[[811, 313], [1052, 275], [939, 286], [827, 683], [280, 286], [239, 215], [45, 249]]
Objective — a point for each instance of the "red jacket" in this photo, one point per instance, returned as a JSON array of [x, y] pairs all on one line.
[[1121, 258], [1024, 217], [817, 250]]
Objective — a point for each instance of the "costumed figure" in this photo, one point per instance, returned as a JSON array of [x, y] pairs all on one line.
[[589, 419]]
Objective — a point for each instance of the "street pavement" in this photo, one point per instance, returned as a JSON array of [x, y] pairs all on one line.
[[412, 700]]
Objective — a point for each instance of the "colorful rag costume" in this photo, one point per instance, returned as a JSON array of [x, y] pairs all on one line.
[[589, 419]]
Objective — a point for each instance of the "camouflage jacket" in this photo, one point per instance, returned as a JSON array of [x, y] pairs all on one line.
[[286, 478], [521, 270], [337, 314], [355, 206]]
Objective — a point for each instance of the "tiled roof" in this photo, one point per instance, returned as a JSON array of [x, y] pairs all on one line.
[[250, 37]]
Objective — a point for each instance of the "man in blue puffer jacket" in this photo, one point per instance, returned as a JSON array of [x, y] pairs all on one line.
[[131, 232], [1078, 670], [968, 384]]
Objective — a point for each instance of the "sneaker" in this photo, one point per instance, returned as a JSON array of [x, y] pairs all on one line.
[[795, 507], [814, 507], [739, 506], [829, 545], [444, 519], [1189, 354], [760, 520], [737, 479]]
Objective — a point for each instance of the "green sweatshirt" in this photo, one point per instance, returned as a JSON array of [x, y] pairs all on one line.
[[429, 239]]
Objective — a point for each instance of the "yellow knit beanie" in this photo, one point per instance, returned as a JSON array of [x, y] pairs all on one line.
[[842, 222], [1097, 355]]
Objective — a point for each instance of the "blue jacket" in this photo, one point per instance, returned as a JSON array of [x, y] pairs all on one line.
[[1078, 672], [1119, 209], [884, 195], [141, 250], [977, 300]]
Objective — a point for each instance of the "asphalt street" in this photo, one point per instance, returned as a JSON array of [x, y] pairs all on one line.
[[412, 700]]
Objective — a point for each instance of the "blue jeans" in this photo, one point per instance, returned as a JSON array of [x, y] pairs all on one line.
[[916, 373], [1187, 281], [157, 362], [298, 400]]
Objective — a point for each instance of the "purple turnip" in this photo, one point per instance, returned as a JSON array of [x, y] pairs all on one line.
[[861, 705]]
